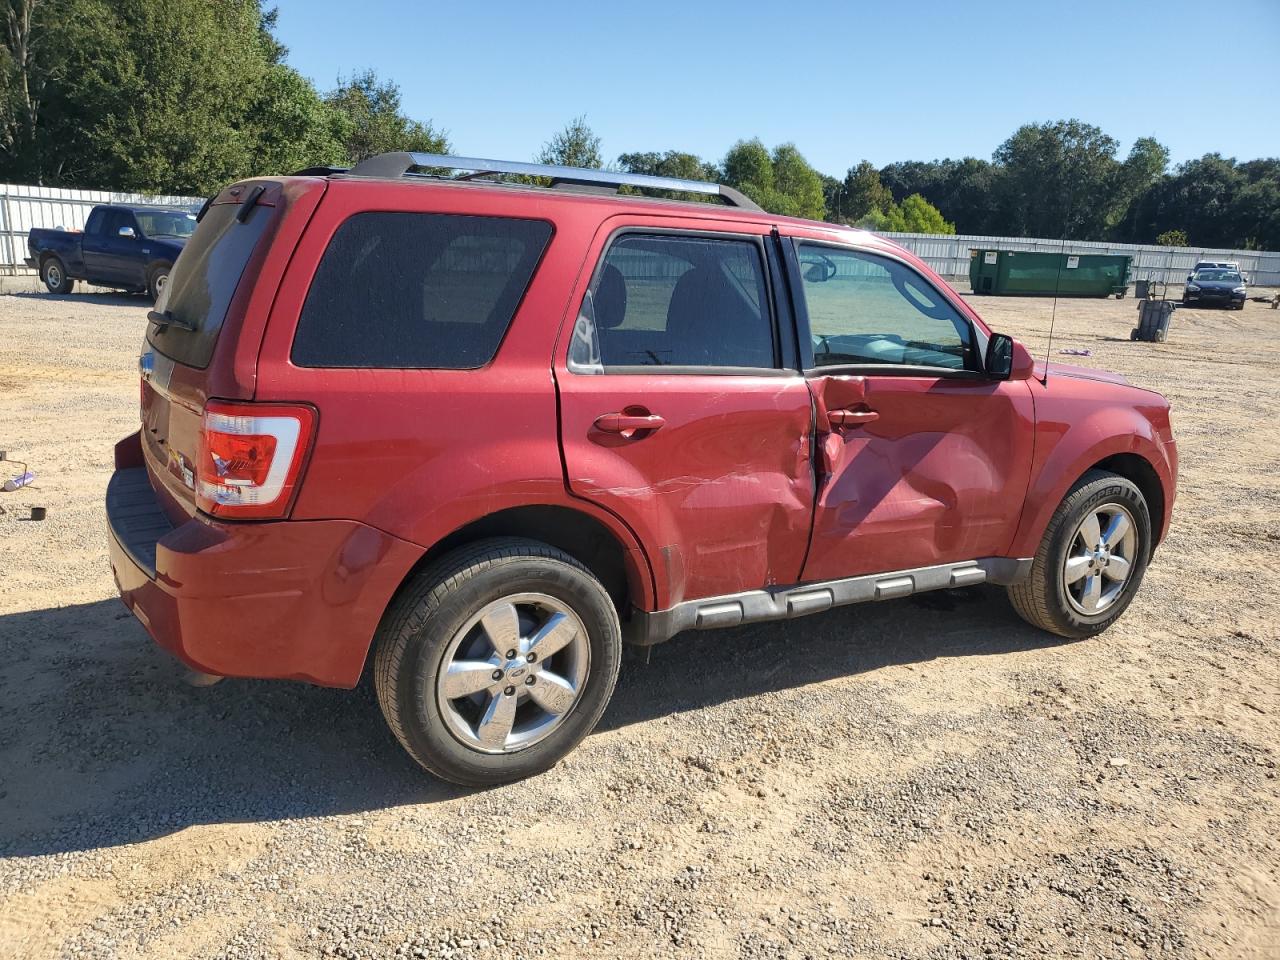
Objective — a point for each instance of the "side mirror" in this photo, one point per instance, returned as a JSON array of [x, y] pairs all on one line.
[[1008, 359], [126, 232]]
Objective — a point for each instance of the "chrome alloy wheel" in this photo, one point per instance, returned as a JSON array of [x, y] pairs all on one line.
[[1100, 559], [52, 276], [513, 672]]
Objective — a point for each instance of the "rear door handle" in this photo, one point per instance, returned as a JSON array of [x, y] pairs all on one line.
[[851, 418], [627, 424]]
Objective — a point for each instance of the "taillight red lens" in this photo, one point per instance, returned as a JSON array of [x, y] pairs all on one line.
[[251, 456]]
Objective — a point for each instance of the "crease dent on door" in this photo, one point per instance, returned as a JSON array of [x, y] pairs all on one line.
[[739, 509]]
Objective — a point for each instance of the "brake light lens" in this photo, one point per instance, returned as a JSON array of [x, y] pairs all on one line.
[[251, 457]]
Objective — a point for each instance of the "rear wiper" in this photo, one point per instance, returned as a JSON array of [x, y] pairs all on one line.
[[163, 318]]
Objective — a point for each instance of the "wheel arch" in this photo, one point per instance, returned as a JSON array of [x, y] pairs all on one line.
[[1139, 471], [154, 265], [618, 565], [1133, 457]]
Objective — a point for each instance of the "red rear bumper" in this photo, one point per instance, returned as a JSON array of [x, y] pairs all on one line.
[[295, 600]]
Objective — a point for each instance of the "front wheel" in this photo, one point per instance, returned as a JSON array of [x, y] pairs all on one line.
[[1091, 560], [53, 273], [497, 660], [156, 280]]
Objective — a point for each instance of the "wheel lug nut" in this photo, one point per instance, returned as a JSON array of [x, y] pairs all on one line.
[[531, 657], [497, 674], [509, 691], [511, 654], [529, 682]]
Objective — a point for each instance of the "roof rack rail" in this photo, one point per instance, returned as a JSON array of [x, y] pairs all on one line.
[[396, 165]]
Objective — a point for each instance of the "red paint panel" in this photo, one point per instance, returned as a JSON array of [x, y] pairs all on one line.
[[1081, 419], [721, 494], [283, 600], [422, 453], [938, 476]]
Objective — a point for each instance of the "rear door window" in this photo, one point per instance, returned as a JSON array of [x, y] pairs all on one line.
[[417, 290], [203, 281], [676, 301]]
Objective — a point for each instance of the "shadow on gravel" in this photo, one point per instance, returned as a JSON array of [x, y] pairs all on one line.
[[95, 299], [702, 668], [102, 744]]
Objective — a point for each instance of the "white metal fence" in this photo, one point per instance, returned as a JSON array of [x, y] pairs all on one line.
[[24, 207], [949, 256]]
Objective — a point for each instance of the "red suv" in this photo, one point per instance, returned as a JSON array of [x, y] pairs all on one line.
[[491, 430]]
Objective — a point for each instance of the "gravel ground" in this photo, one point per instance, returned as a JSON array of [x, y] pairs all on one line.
[[928, 778]]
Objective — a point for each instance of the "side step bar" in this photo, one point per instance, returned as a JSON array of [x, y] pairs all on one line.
[[786, 603]]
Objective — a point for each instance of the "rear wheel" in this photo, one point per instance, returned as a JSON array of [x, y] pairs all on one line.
[[53, 273], [1091, 560], [497, 660], [156, 280]]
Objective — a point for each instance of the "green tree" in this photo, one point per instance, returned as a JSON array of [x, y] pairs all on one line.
[[963, 190], [1172, 238], [575, 146], [1142, 170], [920, 216], [859, 194], [914, 215], [1255, 212], [781, 182], [1058, 179], [366, 118], [153, 96], [672, 163]]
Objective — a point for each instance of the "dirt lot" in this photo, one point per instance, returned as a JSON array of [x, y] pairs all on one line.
[[926, 778]]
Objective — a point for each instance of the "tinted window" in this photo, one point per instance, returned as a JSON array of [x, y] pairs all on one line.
[[94, 223], [115, 220], [203, 280], [865, 309], [417, 290], [676, 301]]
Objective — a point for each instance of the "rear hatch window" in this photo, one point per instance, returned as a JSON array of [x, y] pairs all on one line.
[[203, 281]]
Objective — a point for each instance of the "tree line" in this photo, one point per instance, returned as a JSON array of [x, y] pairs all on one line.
[[157, 97]]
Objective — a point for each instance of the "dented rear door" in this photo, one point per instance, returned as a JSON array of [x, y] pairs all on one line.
[[682, 409]]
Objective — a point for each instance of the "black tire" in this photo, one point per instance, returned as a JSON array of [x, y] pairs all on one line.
[[1041, 599], [53, 273], [414, 635], [156, 280]]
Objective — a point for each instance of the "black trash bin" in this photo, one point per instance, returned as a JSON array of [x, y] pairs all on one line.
[[1153, 320]]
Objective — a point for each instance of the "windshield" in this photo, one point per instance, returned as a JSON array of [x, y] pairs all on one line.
[[165, 223], [1229, 275]]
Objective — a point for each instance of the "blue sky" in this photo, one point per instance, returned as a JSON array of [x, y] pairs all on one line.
[[882, 81]]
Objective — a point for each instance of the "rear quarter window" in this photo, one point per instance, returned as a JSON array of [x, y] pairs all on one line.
[[417, 290]]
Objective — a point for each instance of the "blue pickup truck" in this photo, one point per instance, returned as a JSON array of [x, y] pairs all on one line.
[[130, 248]]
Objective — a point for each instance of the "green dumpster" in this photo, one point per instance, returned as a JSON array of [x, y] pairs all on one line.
[[1019, 273]]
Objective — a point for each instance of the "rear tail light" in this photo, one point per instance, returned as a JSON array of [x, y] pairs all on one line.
[[251, 457]]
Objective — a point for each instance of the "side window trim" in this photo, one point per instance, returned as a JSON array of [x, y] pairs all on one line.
[[785, 360], [791, 258]]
